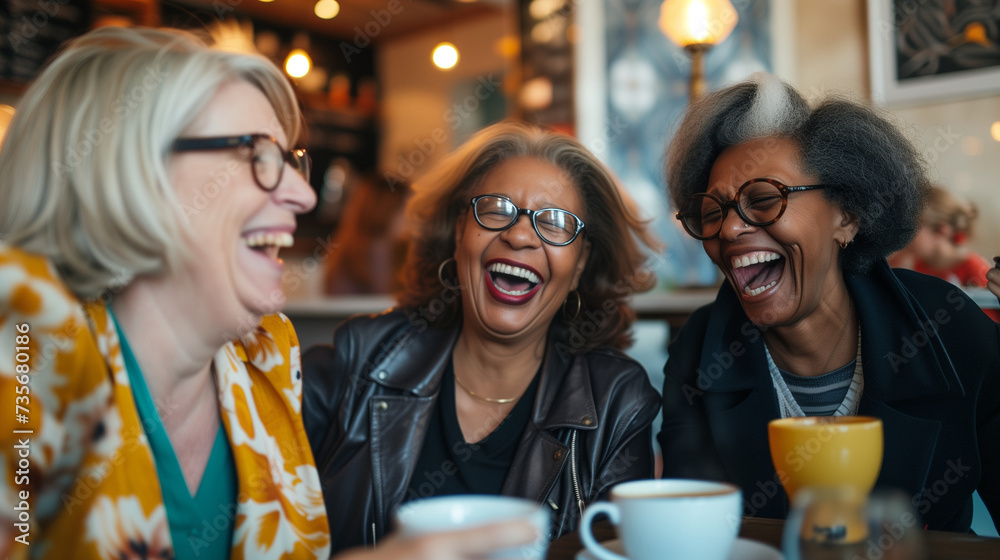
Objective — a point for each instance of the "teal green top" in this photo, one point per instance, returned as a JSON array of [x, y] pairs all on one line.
[[201, 526]]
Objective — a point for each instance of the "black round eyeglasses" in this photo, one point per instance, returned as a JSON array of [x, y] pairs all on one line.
[[268, 158], [553, 225]]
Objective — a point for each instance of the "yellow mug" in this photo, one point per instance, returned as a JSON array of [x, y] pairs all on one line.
[[826, 451]]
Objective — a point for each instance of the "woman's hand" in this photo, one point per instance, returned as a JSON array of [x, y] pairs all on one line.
[[456, 545], [993, 278]]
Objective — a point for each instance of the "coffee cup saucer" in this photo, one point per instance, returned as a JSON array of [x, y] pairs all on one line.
[[743, 549]]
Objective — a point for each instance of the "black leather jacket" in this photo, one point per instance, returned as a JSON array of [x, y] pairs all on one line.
[[367, 401]]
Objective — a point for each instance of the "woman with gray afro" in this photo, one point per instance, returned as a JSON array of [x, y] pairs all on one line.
[[798, 206]]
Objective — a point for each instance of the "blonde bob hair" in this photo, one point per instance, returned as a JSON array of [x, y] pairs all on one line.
[[614, 270], [83, 167]]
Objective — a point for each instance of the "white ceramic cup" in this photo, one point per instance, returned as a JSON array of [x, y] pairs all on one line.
[[451, 513], [669, 518]]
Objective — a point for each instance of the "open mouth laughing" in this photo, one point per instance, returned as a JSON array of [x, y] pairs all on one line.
[[757, 272], [268, 243], [510, 282]]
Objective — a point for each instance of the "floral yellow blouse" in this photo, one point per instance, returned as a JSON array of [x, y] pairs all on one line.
[[76, 450]]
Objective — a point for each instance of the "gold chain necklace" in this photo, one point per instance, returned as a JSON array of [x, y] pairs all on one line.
[[850, 315], [482, 398]]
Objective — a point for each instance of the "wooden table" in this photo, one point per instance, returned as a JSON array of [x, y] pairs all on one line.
[[939, 545]]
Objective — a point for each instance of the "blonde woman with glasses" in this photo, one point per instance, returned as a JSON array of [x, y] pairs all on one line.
[[149, 183]]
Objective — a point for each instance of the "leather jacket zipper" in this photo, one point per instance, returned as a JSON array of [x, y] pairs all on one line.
[[576, 479]]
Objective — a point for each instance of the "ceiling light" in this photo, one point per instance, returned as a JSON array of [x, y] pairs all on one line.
[[697, 22], [445, 56], [298, 63], [326, 9], [537, 93], [541, 9]]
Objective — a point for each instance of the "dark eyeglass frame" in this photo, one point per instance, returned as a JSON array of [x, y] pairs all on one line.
[[734, 203], [298, 158], [530, 213]]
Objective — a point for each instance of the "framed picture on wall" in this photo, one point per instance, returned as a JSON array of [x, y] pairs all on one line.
[[924, 52]]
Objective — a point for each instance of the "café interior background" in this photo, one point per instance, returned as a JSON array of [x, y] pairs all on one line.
[[378, 107]]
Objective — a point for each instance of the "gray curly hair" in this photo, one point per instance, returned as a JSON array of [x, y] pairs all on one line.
[[875, 173]]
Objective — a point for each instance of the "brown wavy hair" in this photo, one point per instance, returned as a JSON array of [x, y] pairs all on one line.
[[615, 268]]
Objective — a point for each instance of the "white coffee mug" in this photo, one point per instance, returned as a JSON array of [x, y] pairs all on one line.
[[669, 518], [450, 513]]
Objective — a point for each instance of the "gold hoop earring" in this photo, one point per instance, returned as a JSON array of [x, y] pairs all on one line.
[[441, 273], [579, 304], [844, 244]]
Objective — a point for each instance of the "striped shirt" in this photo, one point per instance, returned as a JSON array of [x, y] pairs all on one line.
[[820, 395]]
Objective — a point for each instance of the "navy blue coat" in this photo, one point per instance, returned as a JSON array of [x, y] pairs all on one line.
[[931, 362]]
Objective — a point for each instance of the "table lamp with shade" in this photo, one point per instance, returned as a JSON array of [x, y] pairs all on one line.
[[697, 26]]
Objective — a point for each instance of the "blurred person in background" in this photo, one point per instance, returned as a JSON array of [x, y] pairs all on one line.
[[799, 206], [940, 245], [501, 371], [148, 184], [368, 247], [993, 278]]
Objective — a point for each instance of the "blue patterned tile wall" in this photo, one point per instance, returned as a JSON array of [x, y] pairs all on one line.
[[647, 84]]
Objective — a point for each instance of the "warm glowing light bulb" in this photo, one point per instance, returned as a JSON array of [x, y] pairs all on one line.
[[267, 1], [541, 9], [445, 56], [972, 146], [697, 21], [694, 22], [298, 63], [995, 131], [326, 9]]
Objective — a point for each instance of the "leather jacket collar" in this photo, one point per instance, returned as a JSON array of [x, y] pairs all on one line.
[[564, 399]]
